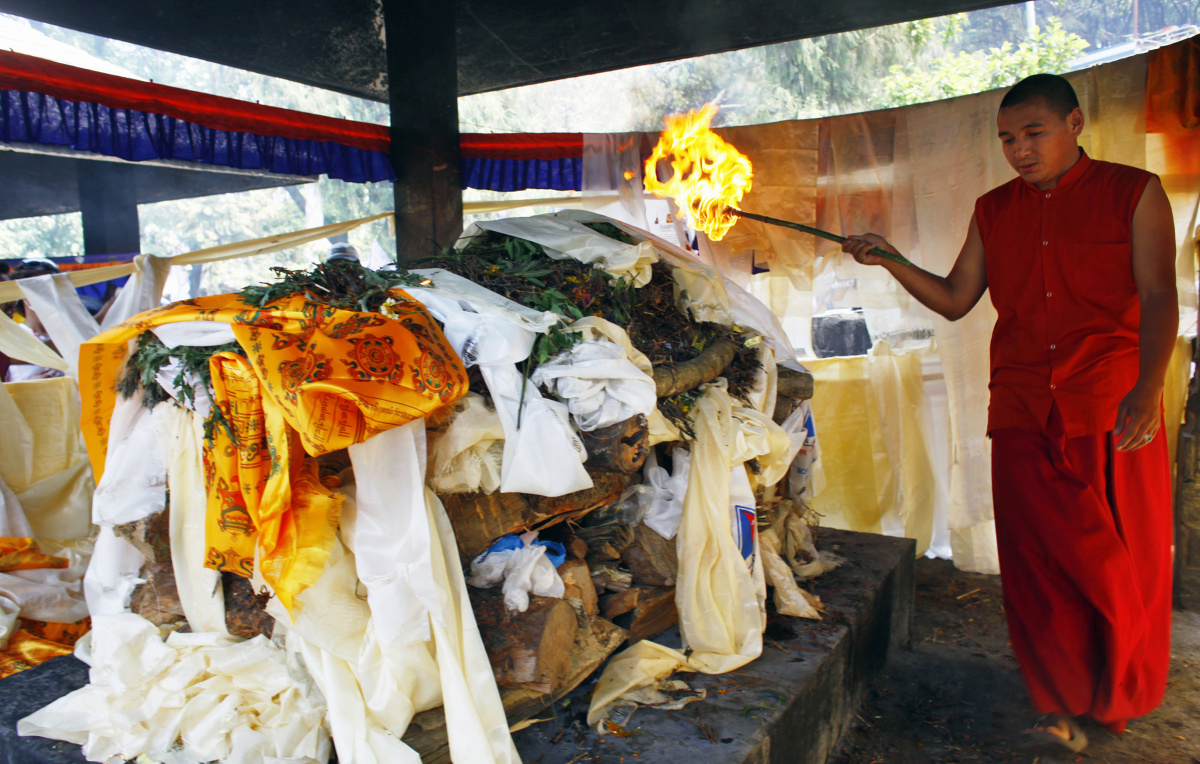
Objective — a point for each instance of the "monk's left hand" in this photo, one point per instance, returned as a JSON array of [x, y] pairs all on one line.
[[1138, 416]]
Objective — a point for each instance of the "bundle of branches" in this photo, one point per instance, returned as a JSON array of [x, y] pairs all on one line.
[[342, 284], [684, 353], [148, 358]]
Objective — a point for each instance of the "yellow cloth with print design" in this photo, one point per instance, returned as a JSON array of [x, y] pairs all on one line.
[[35, 642], [314, 379]]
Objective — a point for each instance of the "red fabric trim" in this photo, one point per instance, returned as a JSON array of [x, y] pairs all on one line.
[[37, 75], [544, 146]]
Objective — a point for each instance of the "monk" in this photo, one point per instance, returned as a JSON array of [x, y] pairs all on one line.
[[1078, 255]]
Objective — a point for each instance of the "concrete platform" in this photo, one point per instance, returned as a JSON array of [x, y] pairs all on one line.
[[791, 705], [788, 707]]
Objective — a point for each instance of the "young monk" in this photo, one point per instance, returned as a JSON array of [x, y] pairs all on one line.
[[1079, 257]]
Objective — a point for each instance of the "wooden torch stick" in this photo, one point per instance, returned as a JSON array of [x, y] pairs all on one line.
[[817, 232]]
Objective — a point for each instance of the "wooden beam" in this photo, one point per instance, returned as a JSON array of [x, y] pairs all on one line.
[[423, 97]]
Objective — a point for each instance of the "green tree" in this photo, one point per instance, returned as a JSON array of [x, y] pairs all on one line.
[[963, 73]]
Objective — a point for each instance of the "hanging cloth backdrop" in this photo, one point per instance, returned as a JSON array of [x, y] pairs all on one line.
[[48, 103], [517, 161], [44, 102]]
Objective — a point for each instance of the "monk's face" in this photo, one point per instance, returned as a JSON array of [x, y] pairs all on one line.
[[1039, 144]]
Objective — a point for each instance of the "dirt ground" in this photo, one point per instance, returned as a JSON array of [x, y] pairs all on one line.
[[956, 697]]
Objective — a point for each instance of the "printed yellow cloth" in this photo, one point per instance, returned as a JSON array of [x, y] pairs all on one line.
[[25, 554], [261, 490], [314, 379], [339, 376], [37, 642]]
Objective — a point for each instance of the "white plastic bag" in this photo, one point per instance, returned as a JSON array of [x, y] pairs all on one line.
[[522, 567], [666, 507], [563, 238], [600, 386], [805, 477], [466, 454], [192, 698], [542, 454]]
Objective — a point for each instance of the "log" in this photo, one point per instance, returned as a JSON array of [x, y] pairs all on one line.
[[647, 610], [151, 535], [608, 541], [594, 642], [655, 612], [651, 558], [712, 361], [244, 613], [619, 603], [577, 579], [157, 600], [622, 447], [479, 519], [794, 384], [530, 649]]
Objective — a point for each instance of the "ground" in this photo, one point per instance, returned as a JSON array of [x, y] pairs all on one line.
[[955, 695]]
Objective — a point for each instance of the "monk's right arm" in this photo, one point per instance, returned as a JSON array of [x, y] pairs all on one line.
[[950, 296]]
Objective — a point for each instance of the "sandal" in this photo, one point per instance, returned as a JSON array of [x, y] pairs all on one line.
[[1042, 739]]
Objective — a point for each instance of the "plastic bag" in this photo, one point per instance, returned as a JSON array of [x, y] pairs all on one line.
[[563, 238], [600, 385], [595, 328], [666, 506], [466, 454], [542, 454], [790, 599], [805, 478], [523, 565], [192, 698]]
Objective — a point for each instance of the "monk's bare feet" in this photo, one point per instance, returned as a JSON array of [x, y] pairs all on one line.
[[1053, 733]]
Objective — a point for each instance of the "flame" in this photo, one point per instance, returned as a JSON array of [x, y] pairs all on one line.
[[709, 174]]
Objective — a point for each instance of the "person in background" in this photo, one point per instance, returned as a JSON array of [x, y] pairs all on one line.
[[343, 251], [1078, 255], [28, 268]]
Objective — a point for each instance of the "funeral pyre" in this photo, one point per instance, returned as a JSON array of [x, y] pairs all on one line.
[[462, 486]]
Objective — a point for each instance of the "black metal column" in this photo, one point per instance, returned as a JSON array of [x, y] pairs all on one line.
[[423, 94], [108, 205]]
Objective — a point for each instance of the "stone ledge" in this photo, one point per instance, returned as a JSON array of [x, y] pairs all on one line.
[[789, 706]]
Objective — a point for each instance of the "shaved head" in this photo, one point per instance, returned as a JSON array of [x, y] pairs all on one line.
[[1055, 90]]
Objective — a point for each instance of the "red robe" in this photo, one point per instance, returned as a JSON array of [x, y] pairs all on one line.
[[1084, 531]]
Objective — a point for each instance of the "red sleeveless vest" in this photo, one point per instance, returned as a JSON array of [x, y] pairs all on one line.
[[1060, 273]]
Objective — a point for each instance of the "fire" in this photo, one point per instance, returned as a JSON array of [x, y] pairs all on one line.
[[709, 174]]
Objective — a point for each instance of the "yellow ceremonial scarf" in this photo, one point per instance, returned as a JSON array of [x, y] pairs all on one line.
[[314, 379], [35, 642]]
